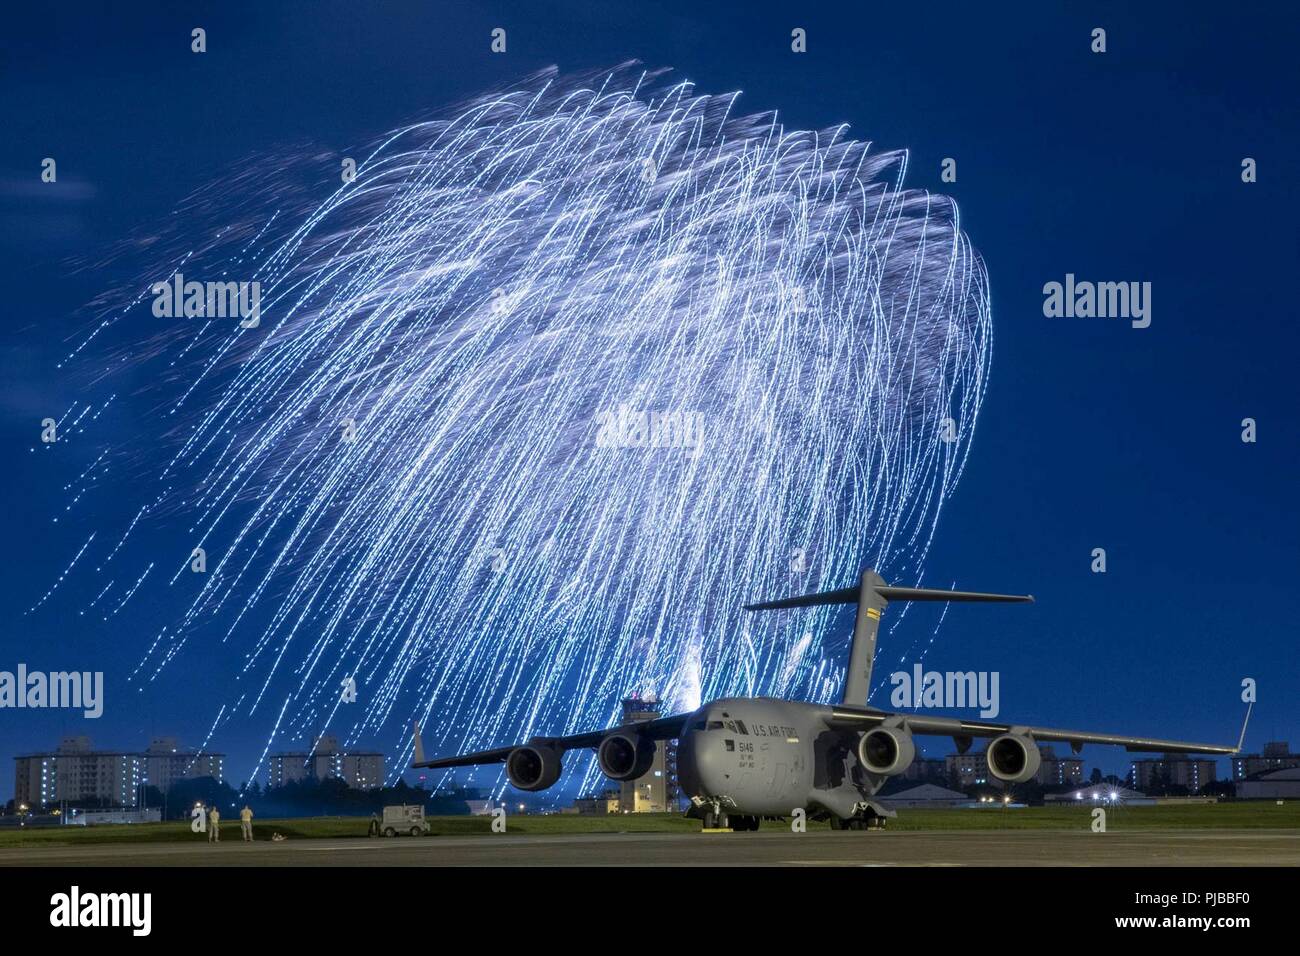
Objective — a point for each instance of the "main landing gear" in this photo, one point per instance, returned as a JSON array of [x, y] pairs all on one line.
[[737, 822], [869, 822]]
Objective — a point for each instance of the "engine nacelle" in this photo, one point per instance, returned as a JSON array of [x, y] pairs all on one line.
[[624, 756], [533, 767], [1013, 758], [886, 750]]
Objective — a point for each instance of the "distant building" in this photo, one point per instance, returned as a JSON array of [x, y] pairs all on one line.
[[1099, 793], [1058, 771], [608, 801], [658, 791], [1154, 774], [166, 763], [972, 769], [90, 818], [927, 770], [1277, 755], [926, 795], [1276, 785], [77, 773], [363, 770]]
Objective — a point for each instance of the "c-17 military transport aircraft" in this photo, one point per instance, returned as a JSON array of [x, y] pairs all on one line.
[[741, 759]]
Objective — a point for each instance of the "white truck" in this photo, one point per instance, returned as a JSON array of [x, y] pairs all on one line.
[[400, 819]]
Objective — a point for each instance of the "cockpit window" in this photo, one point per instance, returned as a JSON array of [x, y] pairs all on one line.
[[715, 725]]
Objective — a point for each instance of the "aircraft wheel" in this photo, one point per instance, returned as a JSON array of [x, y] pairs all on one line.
[[415, 831], [390, 832], [710, 820], [849, 823]]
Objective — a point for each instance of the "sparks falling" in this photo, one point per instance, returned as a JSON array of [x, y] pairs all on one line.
[[537, 401]]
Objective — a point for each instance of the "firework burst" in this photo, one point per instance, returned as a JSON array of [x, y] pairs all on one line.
[[540, 398]]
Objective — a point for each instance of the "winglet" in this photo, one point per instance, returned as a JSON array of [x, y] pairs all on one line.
[[419, 746], [1242, 739]]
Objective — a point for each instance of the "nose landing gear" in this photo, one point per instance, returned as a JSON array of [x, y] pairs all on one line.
[[717, 816], [735, 822]]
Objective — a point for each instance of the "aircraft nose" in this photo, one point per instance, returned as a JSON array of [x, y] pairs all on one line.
[[700, 766]]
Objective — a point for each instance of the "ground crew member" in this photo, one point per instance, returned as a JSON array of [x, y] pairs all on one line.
[[246, 823], [214, 825]]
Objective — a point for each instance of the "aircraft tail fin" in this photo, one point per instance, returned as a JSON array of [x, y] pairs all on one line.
[[872, 596]]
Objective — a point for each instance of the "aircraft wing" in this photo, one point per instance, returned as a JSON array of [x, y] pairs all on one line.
[[467, 760], [963, 731], [662, 728]]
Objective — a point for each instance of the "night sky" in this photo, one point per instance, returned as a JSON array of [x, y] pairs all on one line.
[[1124, 166]]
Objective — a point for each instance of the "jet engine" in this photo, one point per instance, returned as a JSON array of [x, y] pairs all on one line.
[[886, 750], [1013, 758], [533, 767], [624, 756]]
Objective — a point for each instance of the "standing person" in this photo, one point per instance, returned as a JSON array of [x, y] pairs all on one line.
[[246, 823], [214, 825]]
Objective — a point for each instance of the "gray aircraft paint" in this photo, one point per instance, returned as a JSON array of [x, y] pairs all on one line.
[[763, 757]]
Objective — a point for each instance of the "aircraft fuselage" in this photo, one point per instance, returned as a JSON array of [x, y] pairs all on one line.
[[765, 757]]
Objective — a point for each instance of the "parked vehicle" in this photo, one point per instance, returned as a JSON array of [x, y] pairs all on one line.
[[400, 819]]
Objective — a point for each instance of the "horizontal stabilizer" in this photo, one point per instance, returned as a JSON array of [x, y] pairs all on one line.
[[872, 595], [889, 593]]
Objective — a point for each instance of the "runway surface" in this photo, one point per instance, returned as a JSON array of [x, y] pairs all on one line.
[[771, 848]]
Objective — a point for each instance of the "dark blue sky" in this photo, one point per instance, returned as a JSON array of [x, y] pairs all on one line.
[[1122, 166]]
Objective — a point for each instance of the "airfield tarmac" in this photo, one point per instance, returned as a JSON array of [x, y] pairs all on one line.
[[773, 848]]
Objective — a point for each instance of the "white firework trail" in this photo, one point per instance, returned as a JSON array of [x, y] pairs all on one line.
[[399, 475]]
